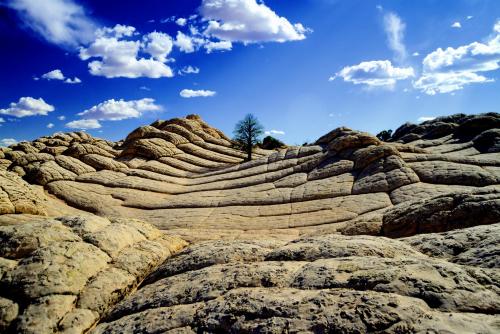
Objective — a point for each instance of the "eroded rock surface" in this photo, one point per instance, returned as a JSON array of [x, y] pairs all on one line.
[[63, 274], [184, 176], [348, 235], [329, 283]]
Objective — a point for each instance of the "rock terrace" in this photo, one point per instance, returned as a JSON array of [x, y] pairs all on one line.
[[170, 231]]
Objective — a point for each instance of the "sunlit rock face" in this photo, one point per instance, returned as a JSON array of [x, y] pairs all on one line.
[[169, 230]]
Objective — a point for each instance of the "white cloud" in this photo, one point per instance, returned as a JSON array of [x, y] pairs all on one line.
[[187, 43], [116, 110], [158, 45], [2, 120], [218, 46], [395, 29], [376, 73], [84, 124], [145, 88], [7, 142], [469, 17], [28, 106], [248, 21], [50, 125], [119, 57], [450, 69], [274, 132], [61, 22], [181, 21], [189, 70], [117, 31], [61, 118], [416, 54], [53, 75], [58, 75], [188, 93], [425, 118], [75, 80], [447, 82], [456, 25]]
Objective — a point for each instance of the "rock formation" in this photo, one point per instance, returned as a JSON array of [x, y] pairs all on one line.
[[170, 231]]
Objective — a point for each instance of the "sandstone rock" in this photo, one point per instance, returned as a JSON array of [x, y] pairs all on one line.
[[294, 240], [102, 162], [44, 314], [477, 246], [442, 172], [8, 313], [74, 165], [442, 213], [61, 277], [16, 196], [488, 141], [252, 286]]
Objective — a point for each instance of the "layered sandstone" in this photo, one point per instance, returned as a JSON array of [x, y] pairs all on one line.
[[349, 234]]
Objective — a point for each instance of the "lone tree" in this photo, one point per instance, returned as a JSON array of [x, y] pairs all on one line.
[[384, 135], [247, 133], [271, 143]]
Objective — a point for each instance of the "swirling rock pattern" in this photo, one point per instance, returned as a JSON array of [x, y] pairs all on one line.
[[347, 235]]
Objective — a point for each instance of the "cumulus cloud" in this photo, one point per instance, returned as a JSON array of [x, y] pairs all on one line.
[[456, 25], [7, 142], [116, 110], [120, 57], [416, 54], [117, 31], [61, 118], [218, 46], [58, 75], [450, 69], [425, 118], [50, 125], [27, 106], [248, 21], [189, 93], [84, 124], [158, 45], [274, 132], [376, 73], [189, 70], [53, 75], [395, 29], [61, 22], [181, 21], [188, 44], [2, 120]]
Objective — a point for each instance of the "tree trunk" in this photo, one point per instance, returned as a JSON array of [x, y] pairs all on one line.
[[249, 143], [249, 151]]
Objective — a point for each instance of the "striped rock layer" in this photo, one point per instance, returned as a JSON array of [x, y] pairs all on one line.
[[349, 234]]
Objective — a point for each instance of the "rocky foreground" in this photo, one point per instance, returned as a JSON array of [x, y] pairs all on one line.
[[169, 231]]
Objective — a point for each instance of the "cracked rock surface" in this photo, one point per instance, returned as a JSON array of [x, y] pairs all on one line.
[[63, 274], [170, 231]]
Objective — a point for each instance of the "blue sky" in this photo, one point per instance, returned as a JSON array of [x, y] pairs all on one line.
[[303, 67]]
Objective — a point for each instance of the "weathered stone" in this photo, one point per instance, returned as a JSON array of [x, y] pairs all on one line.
[[65, 284], [442, 213], [290, 241], [8, 313], [16, 196]]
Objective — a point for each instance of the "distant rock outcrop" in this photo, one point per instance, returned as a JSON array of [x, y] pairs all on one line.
[[349, 234]]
